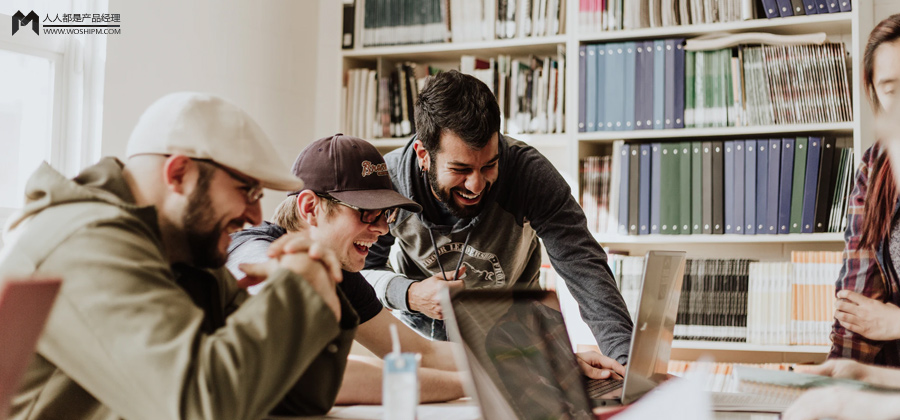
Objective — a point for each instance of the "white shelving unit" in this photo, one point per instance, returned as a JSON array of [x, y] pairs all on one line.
[[565, 150]]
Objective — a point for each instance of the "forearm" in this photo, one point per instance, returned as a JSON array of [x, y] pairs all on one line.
[[390, 287], [363, 379], [885, 376]]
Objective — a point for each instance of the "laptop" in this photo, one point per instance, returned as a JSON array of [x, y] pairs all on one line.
[[24, 307], [520, 359]]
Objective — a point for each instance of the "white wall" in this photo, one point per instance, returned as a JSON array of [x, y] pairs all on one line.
[[261, 55]]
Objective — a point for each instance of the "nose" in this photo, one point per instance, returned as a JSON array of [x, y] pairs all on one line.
[[253, 213], [475, 182], [381, 226]]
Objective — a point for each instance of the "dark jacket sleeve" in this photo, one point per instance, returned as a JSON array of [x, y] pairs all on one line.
[[540, 194]]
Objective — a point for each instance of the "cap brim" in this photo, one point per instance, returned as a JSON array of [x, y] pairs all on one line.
[[376, 199], [282, 184]]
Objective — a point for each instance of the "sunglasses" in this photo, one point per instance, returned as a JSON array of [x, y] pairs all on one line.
[[367, 216]]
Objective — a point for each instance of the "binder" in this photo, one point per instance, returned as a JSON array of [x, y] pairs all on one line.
[[583, 86], [689, 91], [639, 85], [833, 6], [729, 203], [809, 7], [845, 6], [738, 185], [655, 184], [785, 184], [348, 25], [670, 189], [707, 187], [659, 84], [628, 97], [770, 8], [644, 205], [613, 78], [774, 167], [684, 190], [718, 188], [822, 6], [634, 182], [762, 184], [800, 152], [825, 188], [810, 189], [750, 187], [679, 82], [799, 10], [696, 188], [624, 171], [646, 77], [785, 8], [669, 85], [603, 85]]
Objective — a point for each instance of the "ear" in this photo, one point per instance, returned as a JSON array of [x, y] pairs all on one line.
[[422, 155], [308, 207], [178, 171]]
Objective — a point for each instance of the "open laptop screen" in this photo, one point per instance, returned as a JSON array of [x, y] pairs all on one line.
[[518, 339]]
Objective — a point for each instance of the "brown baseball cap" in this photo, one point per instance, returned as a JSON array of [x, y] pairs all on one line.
[[351, 170]]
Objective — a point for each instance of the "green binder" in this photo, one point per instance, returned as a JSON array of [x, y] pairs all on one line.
[[799, 181]]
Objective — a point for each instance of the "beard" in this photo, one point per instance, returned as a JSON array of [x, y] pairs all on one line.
[[203, 243], [445, 196]]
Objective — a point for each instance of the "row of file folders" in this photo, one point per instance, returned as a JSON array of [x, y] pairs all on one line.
[[745, 187], [739, 300], [657, 84]]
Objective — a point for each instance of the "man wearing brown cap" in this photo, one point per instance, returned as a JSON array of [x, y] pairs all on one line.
[[148, 324], [346, 204]]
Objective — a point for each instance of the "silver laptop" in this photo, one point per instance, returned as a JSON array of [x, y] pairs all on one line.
[[518, 353]]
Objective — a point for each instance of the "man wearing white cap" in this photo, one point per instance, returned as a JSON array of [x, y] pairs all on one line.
[[148, 324]]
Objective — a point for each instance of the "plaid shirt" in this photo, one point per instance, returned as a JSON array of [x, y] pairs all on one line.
[[864, 271]]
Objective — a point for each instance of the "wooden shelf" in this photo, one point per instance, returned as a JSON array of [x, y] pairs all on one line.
[[607, 239], [845, 128], [730, 346], [389, 143], [438, 51], [836, 23]]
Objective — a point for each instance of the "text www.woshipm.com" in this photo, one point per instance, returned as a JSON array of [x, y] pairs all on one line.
[[82, 31]]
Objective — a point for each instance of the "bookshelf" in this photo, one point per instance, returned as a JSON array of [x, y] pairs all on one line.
[[567, 149]]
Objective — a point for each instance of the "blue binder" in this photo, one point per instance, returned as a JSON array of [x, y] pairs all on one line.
[[770, 9], [833, 6], [784, 7], [659, 84], [655, 180], [822, 6], [845, 6], [750, 188], [774, 166], [583, 86], [592, 89], [786, 183], [813, 156], [762, 184], [603, 86], [669, 83], [810, 7], [629, 74], [729, 186], [614, 77], [644, 191]]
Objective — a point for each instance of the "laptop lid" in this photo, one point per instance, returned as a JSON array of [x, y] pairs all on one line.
[[24, 307], [654, 326], [518, 354]]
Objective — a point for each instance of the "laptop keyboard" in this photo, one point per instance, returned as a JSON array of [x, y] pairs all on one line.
[[596, 388]]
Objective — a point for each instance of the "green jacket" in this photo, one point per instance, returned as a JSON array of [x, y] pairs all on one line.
[[124, 340]]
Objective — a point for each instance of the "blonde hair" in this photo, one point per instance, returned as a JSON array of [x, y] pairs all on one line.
[[287, 214]]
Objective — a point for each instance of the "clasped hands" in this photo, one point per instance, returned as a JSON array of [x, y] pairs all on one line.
[[318, 265]]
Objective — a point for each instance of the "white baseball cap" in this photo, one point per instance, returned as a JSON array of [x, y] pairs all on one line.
[[204, 126]]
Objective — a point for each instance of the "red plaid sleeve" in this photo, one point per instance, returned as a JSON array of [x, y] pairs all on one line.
[[860, 271]]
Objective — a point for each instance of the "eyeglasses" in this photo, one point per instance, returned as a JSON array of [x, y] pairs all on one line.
[[252, 189], [369, 217]]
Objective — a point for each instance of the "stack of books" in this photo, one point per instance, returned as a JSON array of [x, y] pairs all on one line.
[[611, 15], [655, 85]]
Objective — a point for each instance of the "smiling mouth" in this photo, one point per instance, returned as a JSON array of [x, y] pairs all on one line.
[[362, 247], [468, 198]]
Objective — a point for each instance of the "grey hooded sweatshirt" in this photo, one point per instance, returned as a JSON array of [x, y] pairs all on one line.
[[132, 337], [529, 200]]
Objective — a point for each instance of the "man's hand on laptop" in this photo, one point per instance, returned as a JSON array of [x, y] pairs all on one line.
[[597, 366], [425, 296]]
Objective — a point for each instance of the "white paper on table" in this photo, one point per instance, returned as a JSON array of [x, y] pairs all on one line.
[[688, 395]]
